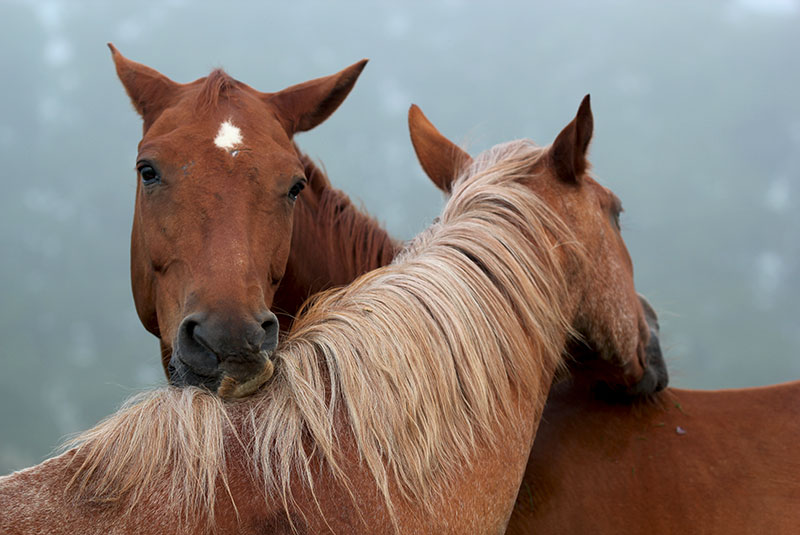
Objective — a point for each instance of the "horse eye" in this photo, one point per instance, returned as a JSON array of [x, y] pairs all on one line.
[[149, 174], [615, 215], [615, 210], [296, 189]]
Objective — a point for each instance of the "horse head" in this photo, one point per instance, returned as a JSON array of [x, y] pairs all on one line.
[[218, 177], [610, 320]]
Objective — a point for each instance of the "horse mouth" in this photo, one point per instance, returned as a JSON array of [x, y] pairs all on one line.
[[181, 374], [232, 380], [233, 388], [655, 376]]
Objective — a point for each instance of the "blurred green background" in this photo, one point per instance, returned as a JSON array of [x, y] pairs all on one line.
[[697, 116]]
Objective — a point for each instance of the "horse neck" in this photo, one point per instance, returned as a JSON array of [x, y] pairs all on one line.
[[45, 499], [332, 244]]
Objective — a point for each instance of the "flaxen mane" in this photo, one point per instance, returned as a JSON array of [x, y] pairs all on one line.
[[415, 363]]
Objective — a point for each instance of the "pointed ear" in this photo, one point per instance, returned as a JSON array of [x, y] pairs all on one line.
[[303, 106], [150, 91], [568, 152], [441, 159]]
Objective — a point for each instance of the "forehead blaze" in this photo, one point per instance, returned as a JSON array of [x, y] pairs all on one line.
[[228, 136]]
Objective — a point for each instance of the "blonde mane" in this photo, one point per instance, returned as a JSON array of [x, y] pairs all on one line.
[[415, 364]]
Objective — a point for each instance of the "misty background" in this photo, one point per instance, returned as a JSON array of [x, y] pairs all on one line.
[[697, 129]]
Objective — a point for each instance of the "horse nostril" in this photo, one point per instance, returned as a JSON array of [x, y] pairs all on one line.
[[188, 337], [188, 328], [270, 326], [193, 349]]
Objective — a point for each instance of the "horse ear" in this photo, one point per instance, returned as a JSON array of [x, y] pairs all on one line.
[[568, 152], [303, 106], [149, 90], [441, 159]]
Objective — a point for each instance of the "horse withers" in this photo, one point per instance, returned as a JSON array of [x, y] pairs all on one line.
[[218, 179]]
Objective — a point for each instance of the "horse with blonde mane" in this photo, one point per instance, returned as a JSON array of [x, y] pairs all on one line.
[[623, 447], [421, 381], [659, 461]]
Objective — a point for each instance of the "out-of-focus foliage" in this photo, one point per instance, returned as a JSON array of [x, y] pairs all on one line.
[[697, 129]]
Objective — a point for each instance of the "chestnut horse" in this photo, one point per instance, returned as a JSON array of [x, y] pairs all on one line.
[[679, 461], [685, 461], [614, 442], [219, 177], [420, 382]]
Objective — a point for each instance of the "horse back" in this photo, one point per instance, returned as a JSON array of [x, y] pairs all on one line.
[[688, 461]]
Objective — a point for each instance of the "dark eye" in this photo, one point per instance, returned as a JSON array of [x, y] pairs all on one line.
[[297, 188], [615, 217], [148, 173], [616, 210]]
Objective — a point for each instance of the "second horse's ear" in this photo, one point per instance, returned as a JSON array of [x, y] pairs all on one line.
[[568, 151], [441, 159], [150, 91], [303, 106]]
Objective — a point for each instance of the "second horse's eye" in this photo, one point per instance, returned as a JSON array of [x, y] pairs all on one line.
[[296, 189], [148, 173]]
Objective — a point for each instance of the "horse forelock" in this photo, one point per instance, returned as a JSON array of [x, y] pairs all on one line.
[[414, 364], [218, 84]]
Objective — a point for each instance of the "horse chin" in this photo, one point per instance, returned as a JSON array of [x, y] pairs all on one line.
[[231, 381], [232, 388], [655, 377], [181, 375], [656, 373], [653, 380]]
